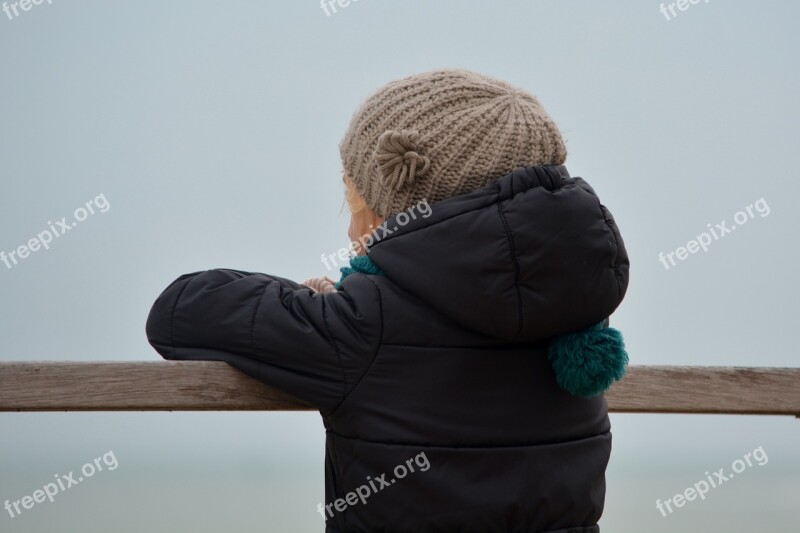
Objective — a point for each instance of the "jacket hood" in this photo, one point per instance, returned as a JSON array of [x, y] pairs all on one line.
[[532, 255]]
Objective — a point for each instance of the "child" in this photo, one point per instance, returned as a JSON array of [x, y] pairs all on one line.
[[459, 363]]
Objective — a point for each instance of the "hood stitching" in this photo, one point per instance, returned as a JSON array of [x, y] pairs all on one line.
[[612, 226], [515, 261]]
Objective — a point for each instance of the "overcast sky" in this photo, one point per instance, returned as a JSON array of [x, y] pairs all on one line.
[[210, 132]]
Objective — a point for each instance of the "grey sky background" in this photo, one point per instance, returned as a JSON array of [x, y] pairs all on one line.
[[212, 128]]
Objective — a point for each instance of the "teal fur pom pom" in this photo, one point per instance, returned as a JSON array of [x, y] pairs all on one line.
[[589, 361]]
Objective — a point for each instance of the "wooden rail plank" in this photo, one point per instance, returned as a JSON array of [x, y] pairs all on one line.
[[707, 390], [206, 385], [135, 386]]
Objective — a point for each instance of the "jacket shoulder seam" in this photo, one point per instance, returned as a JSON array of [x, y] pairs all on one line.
[[377, 346], [336, 350]]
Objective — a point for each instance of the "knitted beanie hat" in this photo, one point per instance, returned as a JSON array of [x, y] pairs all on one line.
[[441, 134]]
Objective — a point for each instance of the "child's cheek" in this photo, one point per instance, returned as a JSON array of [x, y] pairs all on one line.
[[352, 230]]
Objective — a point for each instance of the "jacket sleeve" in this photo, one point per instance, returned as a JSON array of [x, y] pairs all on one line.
[[313, 346]]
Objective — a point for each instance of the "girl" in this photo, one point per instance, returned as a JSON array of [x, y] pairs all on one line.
[[459, 363]]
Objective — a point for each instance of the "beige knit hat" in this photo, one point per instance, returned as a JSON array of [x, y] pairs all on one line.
[[444, 133]]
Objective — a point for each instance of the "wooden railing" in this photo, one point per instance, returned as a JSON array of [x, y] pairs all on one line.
[[203, 386]]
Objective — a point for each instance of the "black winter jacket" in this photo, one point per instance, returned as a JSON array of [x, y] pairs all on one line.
[[439, 362]]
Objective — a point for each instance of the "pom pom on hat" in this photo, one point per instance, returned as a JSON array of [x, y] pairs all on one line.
[[399, 159], [588, 362]]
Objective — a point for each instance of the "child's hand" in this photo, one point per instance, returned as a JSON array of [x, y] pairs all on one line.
[[322, 285]]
